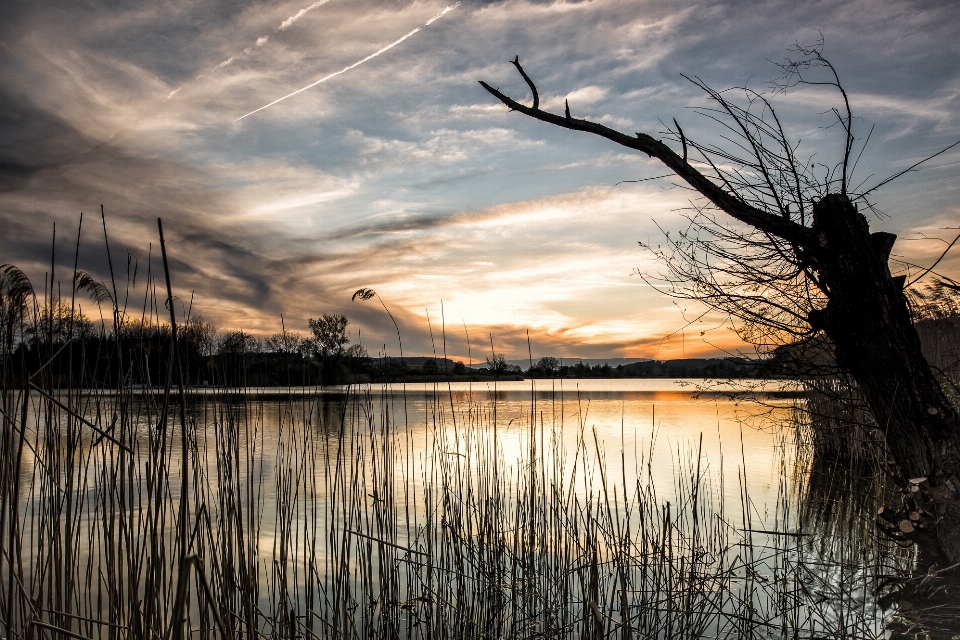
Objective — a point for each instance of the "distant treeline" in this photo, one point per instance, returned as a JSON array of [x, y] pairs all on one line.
[[64, 348], [61, 347], [138, 356], [683, 368], [62, 352]]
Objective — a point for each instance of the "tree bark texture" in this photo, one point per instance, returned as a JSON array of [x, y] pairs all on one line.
[[868, 321]]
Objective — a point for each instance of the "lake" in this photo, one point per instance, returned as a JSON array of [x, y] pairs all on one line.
[[672, 508]]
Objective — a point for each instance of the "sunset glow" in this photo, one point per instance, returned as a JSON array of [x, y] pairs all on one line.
[[382, 163]]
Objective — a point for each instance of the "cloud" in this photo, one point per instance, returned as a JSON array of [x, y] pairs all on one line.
[[299, 14], [355, 64], [210, 252], [577, 98], [406, 176], [262, 40]]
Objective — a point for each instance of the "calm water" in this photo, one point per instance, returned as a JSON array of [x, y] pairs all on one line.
[[298, 485], [643, 428], [737, 428]]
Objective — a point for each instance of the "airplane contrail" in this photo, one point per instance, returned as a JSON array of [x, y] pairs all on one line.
[[355, 64], [299, 14], [262, 40]]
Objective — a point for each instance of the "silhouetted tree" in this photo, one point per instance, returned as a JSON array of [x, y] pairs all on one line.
[[357, 352], [329, 335], [285, 342], [329, 344], [497, 365], [546, 366], [793, 256]]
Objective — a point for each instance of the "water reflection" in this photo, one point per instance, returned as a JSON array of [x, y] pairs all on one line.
[[578, 505]]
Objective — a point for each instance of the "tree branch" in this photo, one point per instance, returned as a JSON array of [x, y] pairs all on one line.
[[931, 267], [726, 202], [533, 88]]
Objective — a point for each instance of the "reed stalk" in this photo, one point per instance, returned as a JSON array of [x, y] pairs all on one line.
[[373, 512]]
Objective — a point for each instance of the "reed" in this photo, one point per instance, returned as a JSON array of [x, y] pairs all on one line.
[[159, 512]]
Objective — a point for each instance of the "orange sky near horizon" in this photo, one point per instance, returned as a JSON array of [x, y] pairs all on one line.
[[300, 151]]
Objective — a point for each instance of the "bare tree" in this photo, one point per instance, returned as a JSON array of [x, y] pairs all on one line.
[[497, 365], [781, 244], [329, 335], [285, 342], [236, 343], [547, 365], [330, 344], [200, 337]]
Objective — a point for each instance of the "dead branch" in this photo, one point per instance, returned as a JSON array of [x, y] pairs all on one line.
[[726, 202]]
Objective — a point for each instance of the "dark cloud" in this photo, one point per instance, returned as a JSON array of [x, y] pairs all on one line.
[[170, 38], [50, 172], [32, 140], [403, 174]]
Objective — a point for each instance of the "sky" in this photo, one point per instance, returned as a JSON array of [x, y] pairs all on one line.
[[298, 151]]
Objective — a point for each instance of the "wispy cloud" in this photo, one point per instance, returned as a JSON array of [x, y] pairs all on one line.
[[299, 14], [414, 181], [262, 40], [355, 64]]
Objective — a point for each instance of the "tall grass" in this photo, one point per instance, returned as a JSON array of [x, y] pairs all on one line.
[[156, 513]]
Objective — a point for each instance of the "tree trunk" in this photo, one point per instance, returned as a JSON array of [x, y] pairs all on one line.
[[869, 323], [866, 318]]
